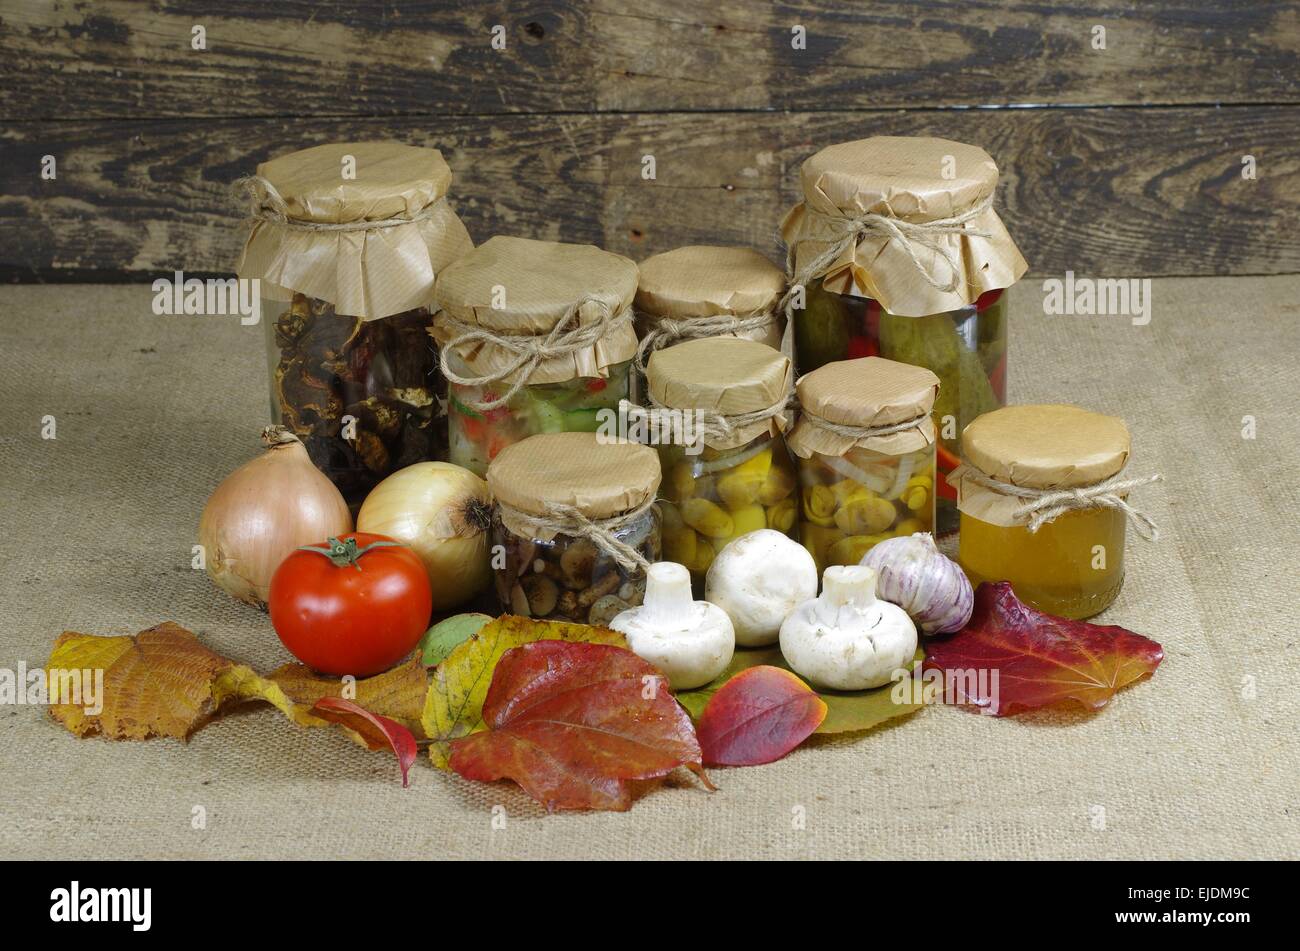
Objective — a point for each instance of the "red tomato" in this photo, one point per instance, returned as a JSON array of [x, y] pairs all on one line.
[[349, 605]]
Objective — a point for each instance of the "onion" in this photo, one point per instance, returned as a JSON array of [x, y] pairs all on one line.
[[443, 512], [264, 510]]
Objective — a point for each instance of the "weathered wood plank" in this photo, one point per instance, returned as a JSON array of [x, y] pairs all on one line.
[[1106, 191], [115, 58]]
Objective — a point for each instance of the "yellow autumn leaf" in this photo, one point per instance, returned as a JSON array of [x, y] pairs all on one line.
[[453, 706]]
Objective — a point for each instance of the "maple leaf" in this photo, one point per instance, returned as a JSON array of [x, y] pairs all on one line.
[[1010, 657], [573, 723], [757, 717]]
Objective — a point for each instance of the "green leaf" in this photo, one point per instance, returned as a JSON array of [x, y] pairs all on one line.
[[846, 712], [448, 634]]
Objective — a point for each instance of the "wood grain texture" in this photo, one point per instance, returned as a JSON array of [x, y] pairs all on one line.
[[69, 59], [1121, 192]]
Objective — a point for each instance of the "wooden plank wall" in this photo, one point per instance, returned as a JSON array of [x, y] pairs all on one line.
[[1121, 161]]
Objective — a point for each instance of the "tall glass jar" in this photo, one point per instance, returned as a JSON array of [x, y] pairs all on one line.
[[535, 337], [575, 526]]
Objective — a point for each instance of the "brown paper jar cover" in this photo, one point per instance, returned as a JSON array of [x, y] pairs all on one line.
[[725, 375], [371, 273], [709, 281], [599, 478], [903, 177], [867, 392], [541, 281]]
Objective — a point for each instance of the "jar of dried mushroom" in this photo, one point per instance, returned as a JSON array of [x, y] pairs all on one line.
[[898, 253], [575, 525], [345, 242], [865, 441], [719, 406], [536, 337], [704, 291], [1044, 505]]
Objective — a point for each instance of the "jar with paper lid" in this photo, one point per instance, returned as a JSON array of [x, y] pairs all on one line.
[[727, 471], [575, 525], [705, 291], [865, 441], [900, 254], [345, 241], [535, 337], [1043, 502]]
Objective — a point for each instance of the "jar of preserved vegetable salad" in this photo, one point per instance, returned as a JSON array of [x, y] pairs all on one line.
[[729, 473], [1044, 505], [576, 525], [536, 337], [896, 252], [865, 443], [345, 242], [704, 291]]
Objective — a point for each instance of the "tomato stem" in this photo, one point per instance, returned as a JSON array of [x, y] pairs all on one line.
[[344, 553]]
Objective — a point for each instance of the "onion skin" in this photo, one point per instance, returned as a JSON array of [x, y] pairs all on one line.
[[264, 510], [442, 512], [912, 573]]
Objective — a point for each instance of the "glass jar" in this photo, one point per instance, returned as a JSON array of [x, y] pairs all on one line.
[[362, 395], [715, 496], [475, 437], [570, 578], [965, 348], [850, 503]]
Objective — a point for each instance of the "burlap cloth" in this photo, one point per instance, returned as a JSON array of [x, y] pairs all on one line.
[[153, 411]]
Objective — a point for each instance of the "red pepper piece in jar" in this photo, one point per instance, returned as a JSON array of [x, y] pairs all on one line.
[[987, 299]]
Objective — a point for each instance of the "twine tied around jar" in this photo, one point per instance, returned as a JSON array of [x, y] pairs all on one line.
[[567, 520], [528, 350], [669, 330], [709, 424], [1043, 505], [267, 204], [909, 234], [862, 432]]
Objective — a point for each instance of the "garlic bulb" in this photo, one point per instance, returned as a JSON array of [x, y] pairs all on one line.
[[921, 580], [443, 512], [264, 510]]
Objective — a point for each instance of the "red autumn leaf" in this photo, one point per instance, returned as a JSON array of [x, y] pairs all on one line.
[[572, 723], [376, 731], [757, 717], [1011, 658]]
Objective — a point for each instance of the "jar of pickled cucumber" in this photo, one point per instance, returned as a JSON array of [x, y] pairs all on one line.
[[345, 242], [1044, 505], [574, 526], [704, 291], [898, 253], [865, 444], [535, 337], [730, 473]]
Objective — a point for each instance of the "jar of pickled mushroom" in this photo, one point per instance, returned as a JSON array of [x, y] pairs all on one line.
[[535, 337], [865, 443], [729, 472], [897, 252], [345, 241], [1044, 505], [704, 291], [574, 526]]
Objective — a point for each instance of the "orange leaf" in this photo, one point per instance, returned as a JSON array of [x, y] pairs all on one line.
[[377, 732], [757, 717]]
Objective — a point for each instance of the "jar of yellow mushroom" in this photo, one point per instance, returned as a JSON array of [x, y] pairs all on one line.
[[728, 472], [865, 444]]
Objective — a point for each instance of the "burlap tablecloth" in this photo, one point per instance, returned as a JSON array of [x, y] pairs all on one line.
[[1201, 761]]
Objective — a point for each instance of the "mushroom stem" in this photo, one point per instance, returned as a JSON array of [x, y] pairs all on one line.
[[853, 585], [668, 598]]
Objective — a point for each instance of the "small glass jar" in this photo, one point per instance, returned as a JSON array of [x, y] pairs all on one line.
[[1073, 565], [564, 503]]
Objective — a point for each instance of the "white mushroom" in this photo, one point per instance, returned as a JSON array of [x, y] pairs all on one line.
[[690, 641], [846, 639], [758, 580]]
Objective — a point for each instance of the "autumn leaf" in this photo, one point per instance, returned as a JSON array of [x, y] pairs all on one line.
[[1011, 657], [573, 723], [454, 705], [846, 711], [375, 731], [757, 717], [445, 636]]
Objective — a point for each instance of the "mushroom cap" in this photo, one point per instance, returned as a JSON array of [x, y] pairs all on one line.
[[758, 580], [691, 654], [861, 649]]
